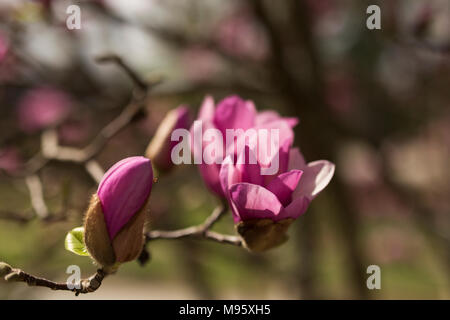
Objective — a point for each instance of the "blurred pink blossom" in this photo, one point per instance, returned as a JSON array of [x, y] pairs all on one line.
[[4, 46], [390, 245], [74, 132], [340, 92], [41, 108], [199, 63], [10, 160], [320, 8], [240, 35]]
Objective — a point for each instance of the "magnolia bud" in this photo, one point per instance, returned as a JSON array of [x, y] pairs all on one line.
[[160, 147], [262, 234], [115, 218]]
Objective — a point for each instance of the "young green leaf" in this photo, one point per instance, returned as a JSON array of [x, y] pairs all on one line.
[[75, 243]]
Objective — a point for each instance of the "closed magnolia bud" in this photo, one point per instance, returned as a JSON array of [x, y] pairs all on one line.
[[160, 148], [262, 234], [115, 218]]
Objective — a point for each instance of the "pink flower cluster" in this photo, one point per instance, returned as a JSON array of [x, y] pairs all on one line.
[[263, 206], [252, 195]]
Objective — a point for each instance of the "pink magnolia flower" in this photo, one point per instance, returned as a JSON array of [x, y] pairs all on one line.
[[160, 148], [286, 195], [236, 113], [41, 108], [115, 219]]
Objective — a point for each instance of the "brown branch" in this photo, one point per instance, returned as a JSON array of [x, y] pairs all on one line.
[[92, 283], [34, 185], [137, 80], [87, 285], [201, 231], [51, 150], [15, 216]]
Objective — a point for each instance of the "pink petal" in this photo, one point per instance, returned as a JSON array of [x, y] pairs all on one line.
[[284, 185], [282, 156], [123, 190], [285, 132], [268, 116], [183, 122], [210, 175], [229, 175], [296, 208], [254, 202], [206, 112], [160, 149], [292, 122], [234, 113], [316, 176], [250, 172], [296, 160]]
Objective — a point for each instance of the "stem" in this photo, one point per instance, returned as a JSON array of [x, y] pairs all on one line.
[[87, 285], [201, 231]]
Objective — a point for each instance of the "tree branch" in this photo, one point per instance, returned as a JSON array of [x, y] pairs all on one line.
[[87, 285], [51, 150], [34, 185], [201, 231], [137, 80], [92, 283]]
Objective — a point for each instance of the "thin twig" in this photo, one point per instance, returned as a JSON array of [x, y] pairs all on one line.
[[51, 150], [87, 285], [34, 185], [201, 231], [95, 170], [130, 72]]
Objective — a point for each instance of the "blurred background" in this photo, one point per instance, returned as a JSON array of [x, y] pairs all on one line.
[[375, 102]]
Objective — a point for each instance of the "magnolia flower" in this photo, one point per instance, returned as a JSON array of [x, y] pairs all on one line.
[[236, 113], [263, 207], [41, 108], [160, 148], [115, 218]]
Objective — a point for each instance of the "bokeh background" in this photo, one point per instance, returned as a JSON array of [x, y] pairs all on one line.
[[375, 102]]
